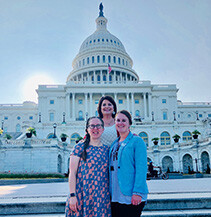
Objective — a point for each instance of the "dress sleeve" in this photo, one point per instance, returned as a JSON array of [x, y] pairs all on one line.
[[78, 149]]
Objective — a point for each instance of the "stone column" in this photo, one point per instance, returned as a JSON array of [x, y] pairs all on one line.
[[86, 108], [94, 77], [150, 103], [114, 76], [128, 102], [115, 97], [121, 77], [90, 104], [145, 106], [132, 99], [73, 106], [67, 106]]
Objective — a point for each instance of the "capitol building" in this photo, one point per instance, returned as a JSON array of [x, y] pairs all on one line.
[[103, 67]]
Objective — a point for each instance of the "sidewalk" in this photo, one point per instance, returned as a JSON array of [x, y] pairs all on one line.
[[171, 196]]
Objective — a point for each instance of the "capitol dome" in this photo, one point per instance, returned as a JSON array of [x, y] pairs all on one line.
[[102, 57]]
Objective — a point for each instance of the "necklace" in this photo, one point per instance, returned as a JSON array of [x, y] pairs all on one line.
[[96, 145], [109, 123]]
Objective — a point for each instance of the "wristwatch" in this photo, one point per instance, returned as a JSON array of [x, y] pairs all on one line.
[[72, 194]]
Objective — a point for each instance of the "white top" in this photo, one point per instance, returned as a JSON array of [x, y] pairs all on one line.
[[109, 135]]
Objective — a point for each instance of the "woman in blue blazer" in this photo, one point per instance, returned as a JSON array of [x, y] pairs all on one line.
[[128, 170]]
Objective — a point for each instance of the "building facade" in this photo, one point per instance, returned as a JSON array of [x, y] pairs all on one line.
[[155, 109]]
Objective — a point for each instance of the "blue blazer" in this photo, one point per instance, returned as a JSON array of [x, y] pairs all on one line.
[[132, 165]]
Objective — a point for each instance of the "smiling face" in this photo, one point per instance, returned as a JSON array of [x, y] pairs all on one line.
[[107, 107], [122, 123], [95, 128]]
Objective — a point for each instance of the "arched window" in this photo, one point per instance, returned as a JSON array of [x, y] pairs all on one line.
[[50, 136], [144, 136], [18, 128], [165, 138], [104, 77], [137, 113], [114, 59], [73, 138], [110, 78], [119, 61], [186, 136], [93, 59], [96, 113], [80, 115], [98, 59], [98, 78], [103, 58], [109, 59], [87, 60]]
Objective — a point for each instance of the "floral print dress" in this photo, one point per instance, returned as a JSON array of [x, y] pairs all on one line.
[[92, 183]]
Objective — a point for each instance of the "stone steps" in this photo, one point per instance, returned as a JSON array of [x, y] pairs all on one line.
[[155, 207]]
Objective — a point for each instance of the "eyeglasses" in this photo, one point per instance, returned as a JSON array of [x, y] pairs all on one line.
[[98, 126]]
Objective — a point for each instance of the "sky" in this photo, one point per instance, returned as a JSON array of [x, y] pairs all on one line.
[[168, 40]]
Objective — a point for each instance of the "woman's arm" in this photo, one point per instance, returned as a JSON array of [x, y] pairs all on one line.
[[73, 168]]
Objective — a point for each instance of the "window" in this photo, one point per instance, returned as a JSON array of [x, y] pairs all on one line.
[[109, 59], [98, 59], [163, 101], [98, 78], [209, 115], [51, 116], [178, 115], [80, 101], [93, 59], [114, 59], [119, 61], [18, 117], [74, 138], [186, 136], [18, 128], [83, 62], [189, 115], [90, 42], [87, 60], [94, 40], [137, 113], [110, 78], [123, 62], [5, 118], [103, 58], [200, 115], [136, 101], [80, 115], [165, 117], [96, 101], [120, 101], [165, 138], [51, 101], [104, 77], [144, 136], [30, 117], [103, 40]]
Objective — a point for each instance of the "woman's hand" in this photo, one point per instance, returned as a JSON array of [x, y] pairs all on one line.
[[73, 204], [136, 199]]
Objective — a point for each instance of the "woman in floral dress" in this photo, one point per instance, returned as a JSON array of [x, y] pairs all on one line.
[[88, 177]]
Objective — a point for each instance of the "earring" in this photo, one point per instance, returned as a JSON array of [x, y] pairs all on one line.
[[113, 112]]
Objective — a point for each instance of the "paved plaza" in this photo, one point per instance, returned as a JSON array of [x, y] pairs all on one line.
[[160, 190]]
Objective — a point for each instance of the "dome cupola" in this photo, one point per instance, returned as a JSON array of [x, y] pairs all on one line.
[[97, 51]]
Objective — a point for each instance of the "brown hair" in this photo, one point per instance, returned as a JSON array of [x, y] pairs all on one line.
[[127, 114], [111, 100]]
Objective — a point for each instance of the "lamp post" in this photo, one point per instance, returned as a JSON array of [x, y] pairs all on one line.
[[2, 124], [63, 118], [39, 117], [54, 130], [197, 115], [153, 116], [174, 113], [196, 165]]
